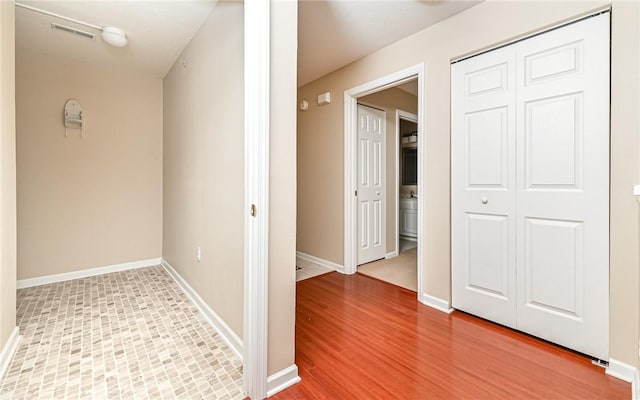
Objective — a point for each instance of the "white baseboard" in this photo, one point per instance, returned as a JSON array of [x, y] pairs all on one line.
[[320, 261], [438, 304], [227, 334], [635, 386], [8, 351], [391, 254], [85, 273], [282, 380], [620, 370]]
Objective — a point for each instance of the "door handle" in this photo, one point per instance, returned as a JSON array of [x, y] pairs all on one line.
[[378, 193], [484, 200]]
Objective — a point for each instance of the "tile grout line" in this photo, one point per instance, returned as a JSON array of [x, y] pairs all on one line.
[[102, 306]]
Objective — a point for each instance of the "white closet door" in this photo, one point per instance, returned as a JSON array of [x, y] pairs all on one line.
[[483, 188], [563, 186], [530, 185], [371, 184]]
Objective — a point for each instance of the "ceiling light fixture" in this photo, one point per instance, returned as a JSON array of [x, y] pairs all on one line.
[[114, 36], [110, 35]]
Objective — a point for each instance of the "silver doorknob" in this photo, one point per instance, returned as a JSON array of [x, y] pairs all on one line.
[[378, 193], [484, 200]]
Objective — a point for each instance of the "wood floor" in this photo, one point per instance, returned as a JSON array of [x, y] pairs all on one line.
[[360, 338]]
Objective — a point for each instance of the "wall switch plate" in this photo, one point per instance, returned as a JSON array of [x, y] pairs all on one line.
[[198, 254]]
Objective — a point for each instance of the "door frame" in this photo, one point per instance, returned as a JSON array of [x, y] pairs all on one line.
[[407, 116], [351, 158], [257, 42]]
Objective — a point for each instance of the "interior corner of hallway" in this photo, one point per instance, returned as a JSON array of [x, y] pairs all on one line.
[[7, 173], [203, 174], [321, 149]]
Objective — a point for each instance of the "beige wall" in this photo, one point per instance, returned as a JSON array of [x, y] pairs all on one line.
[[282, 188], [7, 173], [91, 201], [203, 163], [625, 161], [203, 171], [320, 138], [390, 100]]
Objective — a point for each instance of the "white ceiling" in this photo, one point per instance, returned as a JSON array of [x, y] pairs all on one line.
[[331, 33], [157, 31], [334, 33]]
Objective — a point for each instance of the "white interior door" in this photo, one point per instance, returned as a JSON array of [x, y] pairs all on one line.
[[530, 185], [483, 186], [563, 186], [371, 184]]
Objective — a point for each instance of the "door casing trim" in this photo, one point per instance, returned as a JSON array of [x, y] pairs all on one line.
[[351, 157], [257, 41]]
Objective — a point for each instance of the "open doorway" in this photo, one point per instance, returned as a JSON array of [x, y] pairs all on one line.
[[396, 261], [352, 242]]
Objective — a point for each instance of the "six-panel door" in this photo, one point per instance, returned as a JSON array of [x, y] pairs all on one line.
[[371, 184], [530, 185]]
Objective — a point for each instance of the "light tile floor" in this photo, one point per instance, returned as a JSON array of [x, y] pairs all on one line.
[[401, 270], [125, 335], [306, 269]]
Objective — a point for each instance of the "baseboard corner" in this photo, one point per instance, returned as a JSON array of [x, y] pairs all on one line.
[[225, 332], [282, 380], [320, 261], [391, 254], [86, 273], [437, 303], [620, 370], [9, 349]]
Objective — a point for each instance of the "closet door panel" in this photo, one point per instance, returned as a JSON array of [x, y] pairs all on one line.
[[554, 266], [554, 123], [486, 137], [563, 186], [483, 186]]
